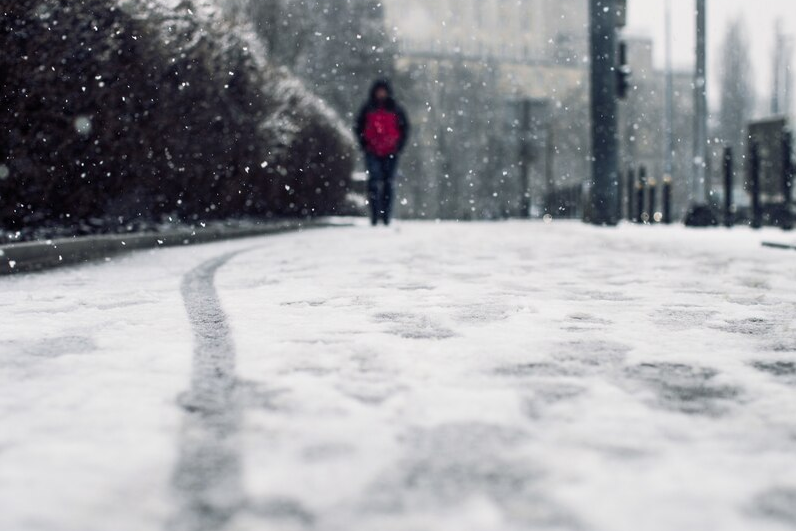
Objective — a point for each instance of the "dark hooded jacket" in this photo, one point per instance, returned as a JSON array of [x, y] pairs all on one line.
[[390, 105]]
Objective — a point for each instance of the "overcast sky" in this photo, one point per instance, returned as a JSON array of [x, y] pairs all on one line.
[[646, 17]]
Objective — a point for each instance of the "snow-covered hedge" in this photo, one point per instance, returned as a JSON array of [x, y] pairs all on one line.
[[128, 110]]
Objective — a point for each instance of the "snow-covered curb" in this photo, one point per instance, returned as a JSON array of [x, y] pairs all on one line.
[[778, 245], [36, 256]]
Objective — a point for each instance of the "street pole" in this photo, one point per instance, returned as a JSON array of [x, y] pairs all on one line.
[[631, 191], [550, 160], [449, 207], [700, 213], [754, 178], [787, 179], [787, 167], [669, 155], [604, 19], [729, 202], [525, 159], [701, 107]]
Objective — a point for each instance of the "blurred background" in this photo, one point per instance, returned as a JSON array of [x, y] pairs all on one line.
[[120, 114]]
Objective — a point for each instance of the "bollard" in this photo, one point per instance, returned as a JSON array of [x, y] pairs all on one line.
[[641, 213], [787, 179], [631, 191], [639, 203], [787, 167], [754, 179], [667, 200], [652, 201], [729, 216]]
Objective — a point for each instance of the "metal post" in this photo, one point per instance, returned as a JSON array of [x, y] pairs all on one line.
[[787, 168], [631, 191], [754, 178], [652, 191], [787, 85], [448, 192], [573, 200], [669, 155], [641, 214], [667, 200], [604, 111], [701, 106], [700, 213], [525, 159], [787, 178], [550, 160], [729, 216]]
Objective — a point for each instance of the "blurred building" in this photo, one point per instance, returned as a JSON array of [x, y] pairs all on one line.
[[471, 64], [539, 45]]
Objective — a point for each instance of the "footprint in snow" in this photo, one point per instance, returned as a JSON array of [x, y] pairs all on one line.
[[413, 326], [685, 388]]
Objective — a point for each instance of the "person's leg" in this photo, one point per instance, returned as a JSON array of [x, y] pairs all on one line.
[[374, 184], [389, 170]]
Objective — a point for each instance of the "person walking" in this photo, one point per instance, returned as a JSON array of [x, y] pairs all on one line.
[[382, 130]]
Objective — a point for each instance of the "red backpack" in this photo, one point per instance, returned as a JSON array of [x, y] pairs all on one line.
[[382, 132]]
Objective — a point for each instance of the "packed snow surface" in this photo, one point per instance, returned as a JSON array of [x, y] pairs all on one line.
[[454, 377]]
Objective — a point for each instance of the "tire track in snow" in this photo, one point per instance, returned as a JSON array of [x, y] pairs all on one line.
[[207, 477]]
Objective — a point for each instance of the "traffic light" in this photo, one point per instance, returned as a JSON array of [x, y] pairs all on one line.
[[621, 13], [623, 73]]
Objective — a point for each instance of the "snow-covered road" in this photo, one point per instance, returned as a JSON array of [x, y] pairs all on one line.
[[454, 377]]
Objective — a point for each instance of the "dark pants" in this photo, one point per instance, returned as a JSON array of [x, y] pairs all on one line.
[[381, 179]]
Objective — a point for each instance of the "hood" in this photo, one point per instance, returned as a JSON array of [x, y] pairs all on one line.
[[381, 84]]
